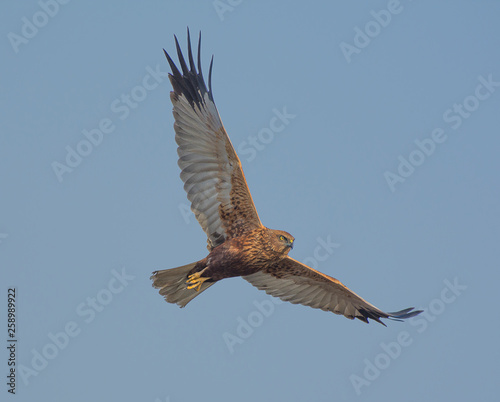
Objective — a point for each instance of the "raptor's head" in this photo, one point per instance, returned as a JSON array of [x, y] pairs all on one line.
[[281, 241]]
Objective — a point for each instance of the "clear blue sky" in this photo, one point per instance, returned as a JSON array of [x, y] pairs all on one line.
[[391, 158]]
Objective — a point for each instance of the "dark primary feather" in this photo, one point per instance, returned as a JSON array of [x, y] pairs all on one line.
[[190, 82], [396, 316], [404, 314]]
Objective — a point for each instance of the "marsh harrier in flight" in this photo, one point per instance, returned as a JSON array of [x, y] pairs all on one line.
[[238, 243]]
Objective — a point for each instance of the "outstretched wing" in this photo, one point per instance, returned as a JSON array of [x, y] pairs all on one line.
[[210, 169], [297, 283]]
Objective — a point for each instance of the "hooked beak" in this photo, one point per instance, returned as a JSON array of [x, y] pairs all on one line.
[[290, 244]]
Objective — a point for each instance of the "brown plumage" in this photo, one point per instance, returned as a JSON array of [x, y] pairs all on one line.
[[238, 243]]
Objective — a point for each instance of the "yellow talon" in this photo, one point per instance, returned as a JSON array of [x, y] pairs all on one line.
[[195, 281]]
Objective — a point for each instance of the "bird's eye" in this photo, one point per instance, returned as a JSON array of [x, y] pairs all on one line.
[[282, 238]]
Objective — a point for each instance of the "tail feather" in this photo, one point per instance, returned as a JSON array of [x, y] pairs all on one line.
[[172, 284]]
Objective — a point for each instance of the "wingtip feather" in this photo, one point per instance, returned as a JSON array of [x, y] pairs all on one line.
[[404, 314], [210, 75], [181, 57]]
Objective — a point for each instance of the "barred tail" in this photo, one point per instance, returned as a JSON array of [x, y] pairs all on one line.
[[172, 284]]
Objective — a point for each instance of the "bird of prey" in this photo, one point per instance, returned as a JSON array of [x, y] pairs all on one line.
[[238, 243]]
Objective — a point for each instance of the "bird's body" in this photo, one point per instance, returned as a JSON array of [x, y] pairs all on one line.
[[238, 243], [243, 255]]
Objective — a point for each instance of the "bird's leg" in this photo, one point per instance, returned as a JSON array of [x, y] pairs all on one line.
[[195, 280]]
